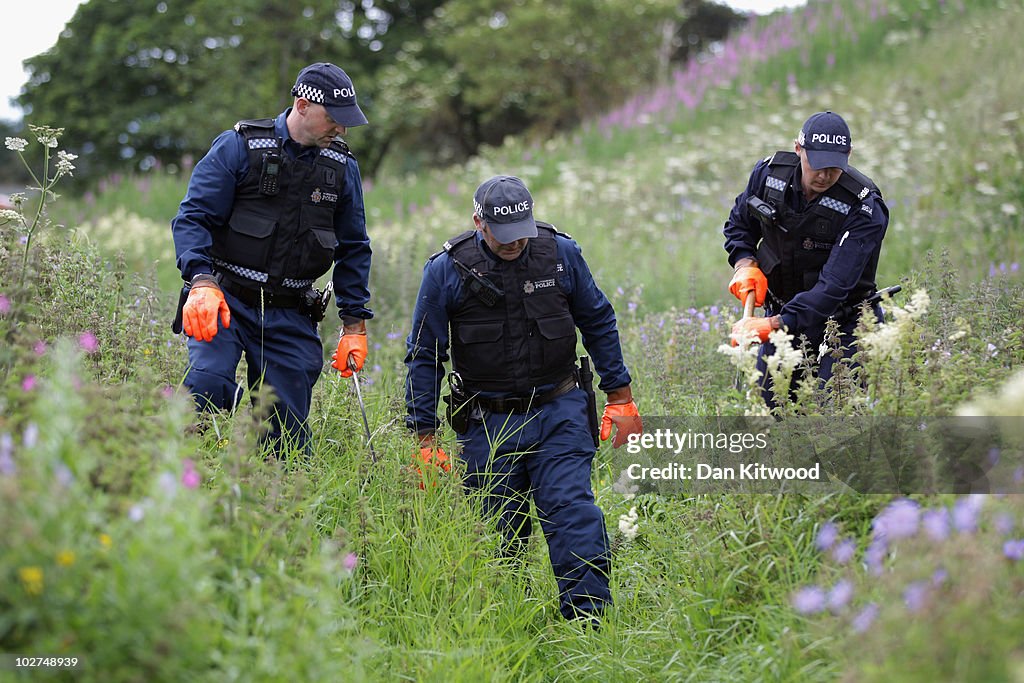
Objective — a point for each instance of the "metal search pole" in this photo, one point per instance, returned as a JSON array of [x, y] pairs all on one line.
[[362, 407]]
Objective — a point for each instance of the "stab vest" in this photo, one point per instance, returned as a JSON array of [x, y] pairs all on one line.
[[528, 337], [289, 237], [792, 261]]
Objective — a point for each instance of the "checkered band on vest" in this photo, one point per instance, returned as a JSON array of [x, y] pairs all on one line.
[[257, 276], [332, 154], [310, 93], [776, 183], [262, 143], [835, 205]]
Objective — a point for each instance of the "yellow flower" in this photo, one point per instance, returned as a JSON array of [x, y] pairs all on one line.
[[106, 541], [66, 558], [31, 579]]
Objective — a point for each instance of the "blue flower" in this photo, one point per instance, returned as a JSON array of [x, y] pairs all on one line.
[[809, 600]]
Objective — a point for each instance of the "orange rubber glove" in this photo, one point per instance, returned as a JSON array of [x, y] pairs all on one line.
[[749, 278], [626, 416], [431, 456], [199, 315], [761, 326], [353, 345]]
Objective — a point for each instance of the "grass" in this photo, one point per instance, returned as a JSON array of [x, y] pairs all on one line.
[[339, 569]]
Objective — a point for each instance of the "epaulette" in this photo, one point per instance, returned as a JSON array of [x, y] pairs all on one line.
[[782, 158], [450, 244], [341, 146], [254, 123], [552, 229], [856, 183]]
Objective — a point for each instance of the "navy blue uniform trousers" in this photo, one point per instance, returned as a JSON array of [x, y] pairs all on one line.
[[546, 453], [281, 347]]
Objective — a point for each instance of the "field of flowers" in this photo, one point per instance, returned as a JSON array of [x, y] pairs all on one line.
[[153, 551]]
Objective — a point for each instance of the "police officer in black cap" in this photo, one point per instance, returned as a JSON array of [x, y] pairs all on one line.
[[805, 237], [273, 206], [509, 297]]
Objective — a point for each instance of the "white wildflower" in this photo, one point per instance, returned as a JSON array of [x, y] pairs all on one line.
[[884, 342], [986, 189], [17, 144], [8, 215], [959, 334], [64, 165], [628, 526], [1008, 209]]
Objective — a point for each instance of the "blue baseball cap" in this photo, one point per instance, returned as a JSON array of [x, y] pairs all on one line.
[[327, 84], [826, 139], [506, 206]]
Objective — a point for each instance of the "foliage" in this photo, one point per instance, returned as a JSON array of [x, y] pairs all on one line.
[[218, 564]]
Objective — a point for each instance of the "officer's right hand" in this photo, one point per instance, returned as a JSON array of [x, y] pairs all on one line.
[[350, 354], [749, 278], [204, 304]]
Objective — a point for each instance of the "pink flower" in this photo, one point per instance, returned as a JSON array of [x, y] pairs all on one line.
[[350, 561], [39, 348], [88, 342], [29, 383], [5, 305], [190, 478]]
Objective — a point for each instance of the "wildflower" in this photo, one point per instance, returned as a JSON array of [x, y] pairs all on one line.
[[88, 342], [105, 541], [29, 383], [965, 513], [1014, 549], [7, 466], [9, 215], [5, 305], [39, 348], [827, 535], [30, 437], [66, 558], [1008, 209], [809, 600], [63, 476], [939, 576], [167, 484], [844, 551], [839, 596], [31, 579], [898, 520], [915, 596], [936, 524], [349, 562], [17, 144], [875, 555], [862, 622], [1004, 523], [190, 477], [64, 165], [136, 513], [627, 524]]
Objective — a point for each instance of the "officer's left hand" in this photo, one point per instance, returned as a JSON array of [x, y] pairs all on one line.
[[350, 345], [761, 327], [626, 416]]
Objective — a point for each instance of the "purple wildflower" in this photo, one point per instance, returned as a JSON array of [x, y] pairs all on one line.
[[39, 348], [875, 555], [190, 478], [1004, 523], [1014, 549], [936, 524], [862, 622], [898, 520], [88, 342], [350, 561], [939, 576], [827, 535], [915, 596], [844, 551], [5, 305], [809, 600], [29, 383], [839, 597], [30, 437], [965, 513]]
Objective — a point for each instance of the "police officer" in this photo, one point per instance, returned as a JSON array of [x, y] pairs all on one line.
[[810, 248], [269, 209], [509, 296]]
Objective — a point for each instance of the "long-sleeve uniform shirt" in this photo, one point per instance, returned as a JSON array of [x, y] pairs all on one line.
[[856, 250], [210, 199], [442, 290]]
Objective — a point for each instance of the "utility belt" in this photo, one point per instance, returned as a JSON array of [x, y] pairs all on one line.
[[846, 311], [522, 404]]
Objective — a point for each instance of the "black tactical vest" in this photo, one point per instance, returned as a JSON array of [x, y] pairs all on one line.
[[792, 261], [288, 237], [525, 339]]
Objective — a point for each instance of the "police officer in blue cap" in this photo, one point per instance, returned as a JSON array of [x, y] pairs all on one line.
[[508, 298], [805, 237], [273, 205]]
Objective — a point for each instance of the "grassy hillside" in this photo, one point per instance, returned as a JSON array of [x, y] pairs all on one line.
[[153, 551]]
